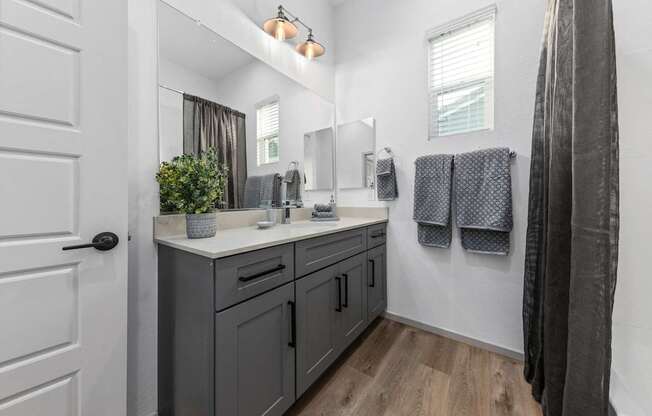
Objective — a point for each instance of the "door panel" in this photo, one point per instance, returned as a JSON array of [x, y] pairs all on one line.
[[254, 363], [316, 332], [376, 282], [351, 322], [63, 179]]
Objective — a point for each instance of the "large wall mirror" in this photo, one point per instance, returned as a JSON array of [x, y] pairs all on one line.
[[274, 135], [356, 158]]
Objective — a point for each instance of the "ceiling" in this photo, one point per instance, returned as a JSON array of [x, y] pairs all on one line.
[[184, 42]]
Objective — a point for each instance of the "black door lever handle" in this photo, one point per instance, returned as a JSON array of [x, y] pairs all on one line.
[[103, 242]]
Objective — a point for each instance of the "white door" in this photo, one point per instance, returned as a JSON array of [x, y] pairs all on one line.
[[63, 162]]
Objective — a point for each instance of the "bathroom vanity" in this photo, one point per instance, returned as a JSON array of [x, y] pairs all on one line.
[[250, 319]]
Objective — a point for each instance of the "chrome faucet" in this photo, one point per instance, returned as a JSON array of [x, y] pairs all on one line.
[[286, 213]]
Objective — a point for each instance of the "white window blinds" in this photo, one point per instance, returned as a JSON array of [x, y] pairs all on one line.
[[267, 132], [461, 74]]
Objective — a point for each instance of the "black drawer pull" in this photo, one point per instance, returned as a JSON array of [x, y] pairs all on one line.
[[261, 274], [373, 273], [378, 235], [293, 325], [339, 294], [346, 290]]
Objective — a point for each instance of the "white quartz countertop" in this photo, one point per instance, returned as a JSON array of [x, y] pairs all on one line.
[[240, 240]]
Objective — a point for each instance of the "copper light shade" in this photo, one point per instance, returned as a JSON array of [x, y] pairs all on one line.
[[280, 27], [310, 49]]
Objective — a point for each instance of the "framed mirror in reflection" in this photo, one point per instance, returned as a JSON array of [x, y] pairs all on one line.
[[356, 158], [212, 94]]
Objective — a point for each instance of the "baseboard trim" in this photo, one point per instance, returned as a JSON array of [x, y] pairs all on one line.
[[455, 336]]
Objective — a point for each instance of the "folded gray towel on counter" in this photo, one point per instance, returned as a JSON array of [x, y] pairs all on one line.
[[386, 186], [292, 180], [483, 200], [432, 200], [323, 208], [252, 192], [323, 214]]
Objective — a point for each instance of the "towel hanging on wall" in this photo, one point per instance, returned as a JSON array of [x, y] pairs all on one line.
[[432, 200], [483, 200]]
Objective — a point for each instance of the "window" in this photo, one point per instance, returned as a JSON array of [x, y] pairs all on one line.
[[267, 132], [461, 75]]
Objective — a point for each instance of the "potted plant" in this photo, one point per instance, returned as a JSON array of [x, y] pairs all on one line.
[[192, 185]]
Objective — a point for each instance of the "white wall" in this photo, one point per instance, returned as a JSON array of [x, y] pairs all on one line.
[[632, 329], [143, 205], [381, 73]]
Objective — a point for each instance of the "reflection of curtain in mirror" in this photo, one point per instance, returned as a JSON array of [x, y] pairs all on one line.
[[207, 124]]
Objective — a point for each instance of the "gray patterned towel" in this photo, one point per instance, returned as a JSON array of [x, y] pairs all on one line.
[[323, 208], [293, 182], [252, 192], [386, 180], [483, 200], [270, 189], [432, 200]]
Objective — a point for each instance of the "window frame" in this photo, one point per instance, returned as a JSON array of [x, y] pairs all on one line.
[[481, 15], [271, 100]]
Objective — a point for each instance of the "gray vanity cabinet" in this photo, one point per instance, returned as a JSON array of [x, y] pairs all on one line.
[[317, 333], [376, 282], [254, 369], [353, 316], [248, 334]]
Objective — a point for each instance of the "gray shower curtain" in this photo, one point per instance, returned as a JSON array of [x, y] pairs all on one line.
[[572, 237], [210, 125]]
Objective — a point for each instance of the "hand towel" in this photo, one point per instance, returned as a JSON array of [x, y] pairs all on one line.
[[270, 190], [386, 186], [292, 180], [432, 200], [483, 200], [252, 192]]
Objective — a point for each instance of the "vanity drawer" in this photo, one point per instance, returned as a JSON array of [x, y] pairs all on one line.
[[240, 277], [320, 252], [376, 235]]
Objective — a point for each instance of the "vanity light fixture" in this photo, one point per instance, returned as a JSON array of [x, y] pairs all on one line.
[[282, 28]]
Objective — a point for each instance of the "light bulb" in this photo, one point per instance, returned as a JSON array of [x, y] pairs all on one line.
[[280, 31]]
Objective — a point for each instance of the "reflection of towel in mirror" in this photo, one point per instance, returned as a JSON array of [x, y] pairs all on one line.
[[293, 185], [432, 200], [386, 180], [252, 192], [270, 190], [483, 200]]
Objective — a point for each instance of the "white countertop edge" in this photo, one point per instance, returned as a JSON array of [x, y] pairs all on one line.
[[181, 242]]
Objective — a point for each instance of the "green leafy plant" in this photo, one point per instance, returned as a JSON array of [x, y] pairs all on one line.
[[191, 184]]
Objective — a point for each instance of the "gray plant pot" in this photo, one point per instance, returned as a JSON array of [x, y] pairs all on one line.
[[201, 225]]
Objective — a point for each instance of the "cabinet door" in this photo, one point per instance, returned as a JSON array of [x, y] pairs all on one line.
[[316, 332], [352, 282], [376, 282], [254, 356]]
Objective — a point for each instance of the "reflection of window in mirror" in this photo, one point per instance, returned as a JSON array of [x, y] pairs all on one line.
[[368, 174], [267, 131]]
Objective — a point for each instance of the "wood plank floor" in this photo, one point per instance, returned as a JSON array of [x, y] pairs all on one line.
[[394, 369]]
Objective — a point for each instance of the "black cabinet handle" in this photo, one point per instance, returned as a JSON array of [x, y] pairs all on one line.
[[261, 274], [293, 325], [373, 273], [103, 242], [377, 235], [339, 294], [346, 290]]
